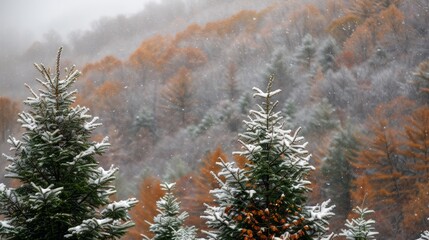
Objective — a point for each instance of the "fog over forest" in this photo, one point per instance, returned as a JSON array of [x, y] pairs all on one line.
[[172, 83]]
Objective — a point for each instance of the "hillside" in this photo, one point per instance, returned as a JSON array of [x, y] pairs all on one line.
[[172, 86]]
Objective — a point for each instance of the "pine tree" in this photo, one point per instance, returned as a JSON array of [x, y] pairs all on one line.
[[306, 53], [168, 224], [328, 51], [337, 170], [62, 192], [289, 111], [266, 198], [278, 68], [323, 118], [360, 228], [231, 85]]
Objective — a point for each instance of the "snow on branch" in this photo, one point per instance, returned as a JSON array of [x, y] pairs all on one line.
[[118, 210], [320, 213], [43, 195], [260, 93], [96, 148]]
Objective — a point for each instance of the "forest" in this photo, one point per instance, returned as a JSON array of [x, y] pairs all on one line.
[[173, 84]]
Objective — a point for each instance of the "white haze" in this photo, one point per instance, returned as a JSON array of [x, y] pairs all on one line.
[[24, 21]]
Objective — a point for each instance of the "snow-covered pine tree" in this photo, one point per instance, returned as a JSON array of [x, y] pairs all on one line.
[[62, 192], [360, 228], [168, 224], [266, 199]]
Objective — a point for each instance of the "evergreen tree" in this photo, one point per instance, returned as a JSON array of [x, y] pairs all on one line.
[[231, 85], [244, 102], [289, 111], [360, 228], [306, 53], [266, 198], [323, 118], [278, 68], [337, 170], [61, 191], [327, 55], [168, 224], [379, 59]]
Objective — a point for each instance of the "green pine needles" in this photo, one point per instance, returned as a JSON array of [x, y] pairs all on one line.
[[266, 199], [168, 224], [62, 192], [360, 228]]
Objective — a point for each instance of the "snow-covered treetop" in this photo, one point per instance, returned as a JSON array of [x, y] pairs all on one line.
[[264, 95], [55, 89], [58, 172], [273, 182], [270, 148], [360, 228], [168, 224]]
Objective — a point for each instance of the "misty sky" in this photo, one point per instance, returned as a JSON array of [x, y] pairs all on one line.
[[30, 19]]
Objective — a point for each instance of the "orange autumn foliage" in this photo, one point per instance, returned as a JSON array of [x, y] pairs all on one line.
[[189, 57], [198, 186], [416, 141], [308, 20], [8, 114], [151, 53], [363, 9], [243, 21], [246, 20], [391, 28], [149, 192], [107, 64], [100, 97], [187, 34], [178, 97], [417, 210], [380, 166], [362, 42], [165, 54], [342, 28]]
